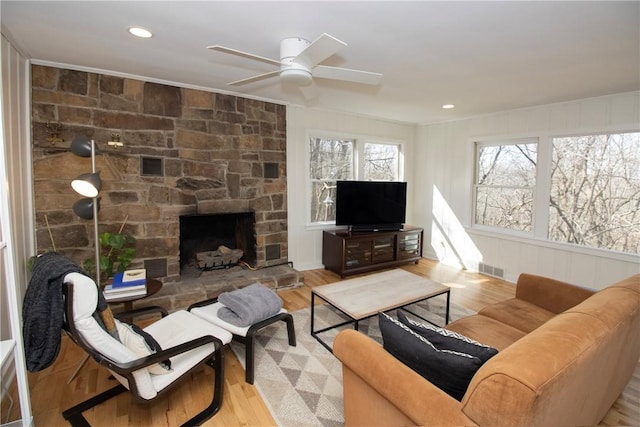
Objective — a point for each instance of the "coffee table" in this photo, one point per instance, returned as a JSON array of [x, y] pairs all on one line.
[[366, 296]]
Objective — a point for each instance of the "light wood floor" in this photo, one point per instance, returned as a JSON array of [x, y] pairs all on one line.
[[243, 406]]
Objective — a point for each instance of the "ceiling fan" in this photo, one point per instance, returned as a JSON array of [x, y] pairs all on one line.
[[300, 62]]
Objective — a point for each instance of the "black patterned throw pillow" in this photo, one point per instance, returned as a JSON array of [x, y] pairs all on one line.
[[444, 339], [449, 370]]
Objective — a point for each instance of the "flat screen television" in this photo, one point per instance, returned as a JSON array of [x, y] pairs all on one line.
[[371, 205]]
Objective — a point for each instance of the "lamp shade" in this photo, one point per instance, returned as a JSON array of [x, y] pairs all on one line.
[[87, 184], [84, 207], [81, 146]]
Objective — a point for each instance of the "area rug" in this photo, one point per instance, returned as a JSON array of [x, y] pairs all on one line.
[[302, 385]]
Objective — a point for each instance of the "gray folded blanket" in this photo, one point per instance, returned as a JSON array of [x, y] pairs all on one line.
[[247, 306]]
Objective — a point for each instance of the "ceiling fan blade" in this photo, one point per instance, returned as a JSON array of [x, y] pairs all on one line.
[[319, 50], [254, 78], [244, 54], [355, 76]]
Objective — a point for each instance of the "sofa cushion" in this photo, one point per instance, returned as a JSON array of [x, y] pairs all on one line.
[[486, 330], [449, 370], [444, 339], [518, 313], [550, 294]]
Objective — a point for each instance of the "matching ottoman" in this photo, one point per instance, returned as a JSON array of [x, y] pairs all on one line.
[[208, 310]]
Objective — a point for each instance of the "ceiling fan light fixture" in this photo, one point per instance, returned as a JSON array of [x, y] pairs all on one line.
[[296, 76]]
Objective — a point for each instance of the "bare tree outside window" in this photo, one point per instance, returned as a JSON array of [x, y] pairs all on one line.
[[330, 160], [505, 181], [381, 162], [595, 191]]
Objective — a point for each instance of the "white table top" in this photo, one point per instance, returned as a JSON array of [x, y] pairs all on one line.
[[365, 296]]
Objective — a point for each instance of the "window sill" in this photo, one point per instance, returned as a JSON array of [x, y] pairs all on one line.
[[567, 247], [322, 226]]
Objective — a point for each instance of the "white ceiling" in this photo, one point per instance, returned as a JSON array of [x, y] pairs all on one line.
[[481, 56]]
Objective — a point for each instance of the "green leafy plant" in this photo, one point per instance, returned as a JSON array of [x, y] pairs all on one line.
[[116, 253]]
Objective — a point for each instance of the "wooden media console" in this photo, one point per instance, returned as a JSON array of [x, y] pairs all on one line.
[[350, 252]]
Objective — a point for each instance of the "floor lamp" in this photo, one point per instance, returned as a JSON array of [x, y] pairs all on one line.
[[88, 185]]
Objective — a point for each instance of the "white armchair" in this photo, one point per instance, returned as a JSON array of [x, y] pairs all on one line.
[[185, 339]]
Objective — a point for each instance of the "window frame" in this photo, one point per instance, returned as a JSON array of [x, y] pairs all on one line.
[[359, 142], [540, 213], [494, 142]]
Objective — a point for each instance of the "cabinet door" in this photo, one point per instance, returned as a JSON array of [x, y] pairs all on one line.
[[408, 245], [357, 253], [383, 248]]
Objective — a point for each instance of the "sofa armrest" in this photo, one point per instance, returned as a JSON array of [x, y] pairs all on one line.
[[550, 294], [381, 390]]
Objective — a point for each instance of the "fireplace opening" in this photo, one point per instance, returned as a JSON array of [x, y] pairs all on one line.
[[211, 241]]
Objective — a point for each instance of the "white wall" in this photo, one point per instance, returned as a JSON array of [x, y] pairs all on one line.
[[305, 243], [444, 208], [17, 139], [16, 222]]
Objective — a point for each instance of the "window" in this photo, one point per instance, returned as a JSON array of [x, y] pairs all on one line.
[[595, 191], [381, 162], [505, 181], [333, 159], [590, 194], [330, 160]]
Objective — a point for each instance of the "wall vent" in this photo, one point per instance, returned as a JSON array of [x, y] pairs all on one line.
[[272, 252], [156, 267], [151, 166], [491, 270], [271, 170]]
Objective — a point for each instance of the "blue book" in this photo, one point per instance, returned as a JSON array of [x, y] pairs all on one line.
[[130, 278]]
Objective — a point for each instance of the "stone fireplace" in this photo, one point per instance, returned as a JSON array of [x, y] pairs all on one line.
[[185, 152]]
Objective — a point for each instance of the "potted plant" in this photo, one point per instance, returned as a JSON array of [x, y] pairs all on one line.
[[117, 250]]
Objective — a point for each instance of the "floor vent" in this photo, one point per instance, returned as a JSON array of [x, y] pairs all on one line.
[[491, 270]]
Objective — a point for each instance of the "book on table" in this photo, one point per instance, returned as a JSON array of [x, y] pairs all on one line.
[[129, 278], [109, 296], [109, 289]]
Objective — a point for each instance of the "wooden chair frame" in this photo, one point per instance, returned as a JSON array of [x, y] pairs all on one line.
[[74, 414]]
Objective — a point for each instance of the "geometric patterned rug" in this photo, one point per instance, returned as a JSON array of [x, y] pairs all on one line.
[[302, 385]]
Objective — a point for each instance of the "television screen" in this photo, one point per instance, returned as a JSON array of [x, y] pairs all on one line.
[[371, 205]]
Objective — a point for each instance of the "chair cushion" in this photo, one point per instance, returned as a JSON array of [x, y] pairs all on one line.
[[85, 301], [177, 328], [143, 345], [210, 314], [174, 329]]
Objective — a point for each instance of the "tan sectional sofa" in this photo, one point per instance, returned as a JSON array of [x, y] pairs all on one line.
[[565, 355]]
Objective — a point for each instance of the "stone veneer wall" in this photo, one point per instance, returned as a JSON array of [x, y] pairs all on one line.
[[214, 149]]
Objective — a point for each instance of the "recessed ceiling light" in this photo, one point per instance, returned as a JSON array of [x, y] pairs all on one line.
[[140, 32], [448, 106]]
